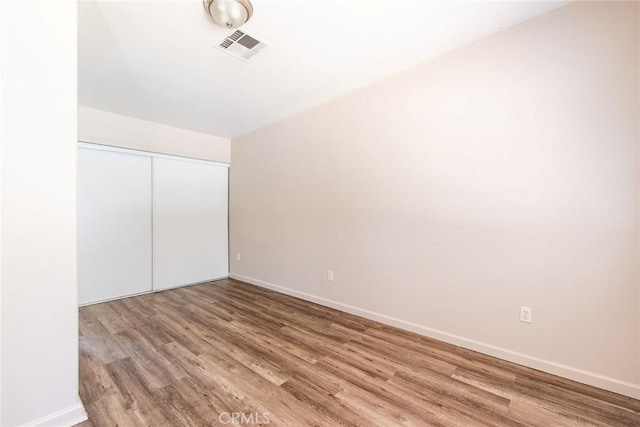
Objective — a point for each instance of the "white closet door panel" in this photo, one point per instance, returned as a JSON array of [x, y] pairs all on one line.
[[189, 222], [114, 224]]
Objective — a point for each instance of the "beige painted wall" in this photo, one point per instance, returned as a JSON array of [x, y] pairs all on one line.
[[103, 127], [443, 198]]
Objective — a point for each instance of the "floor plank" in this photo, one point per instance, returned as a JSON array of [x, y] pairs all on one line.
[[195, 356]]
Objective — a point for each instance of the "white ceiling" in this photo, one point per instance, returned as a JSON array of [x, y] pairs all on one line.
[[156, 60]]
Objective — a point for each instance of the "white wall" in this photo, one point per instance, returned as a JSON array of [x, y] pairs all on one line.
[[106, 128], [502, 174], [2, 133], [39, 362]]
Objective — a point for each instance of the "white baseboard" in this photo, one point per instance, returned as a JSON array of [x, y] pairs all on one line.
[[579, 375], [65, 417]]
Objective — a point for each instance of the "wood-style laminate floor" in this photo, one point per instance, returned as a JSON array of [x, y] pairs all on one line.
[[204, 354]]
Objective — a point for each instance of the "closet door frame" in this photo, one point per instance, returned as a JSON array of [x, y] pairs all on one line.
[[153, 155], [102, 147]]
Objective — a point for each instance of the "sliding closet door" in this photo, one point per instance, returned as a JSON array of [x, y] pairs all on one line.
[[189, 222], [114, 224]]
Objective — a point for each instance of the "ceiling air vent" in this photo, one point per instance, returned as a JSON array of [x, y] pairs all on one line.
[[242, 45]]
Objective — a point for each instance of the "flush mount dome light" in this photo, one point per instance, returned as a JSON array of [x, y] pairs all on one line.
[[229, 13]]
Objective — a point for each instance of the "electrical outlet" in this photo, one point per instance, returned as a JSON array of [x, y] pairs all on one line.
[[526, 314], [330, 276], [238, 256]]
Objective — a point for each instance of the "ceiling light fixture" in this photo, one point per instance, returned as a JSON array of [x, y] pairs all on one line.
[[229, 13]]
